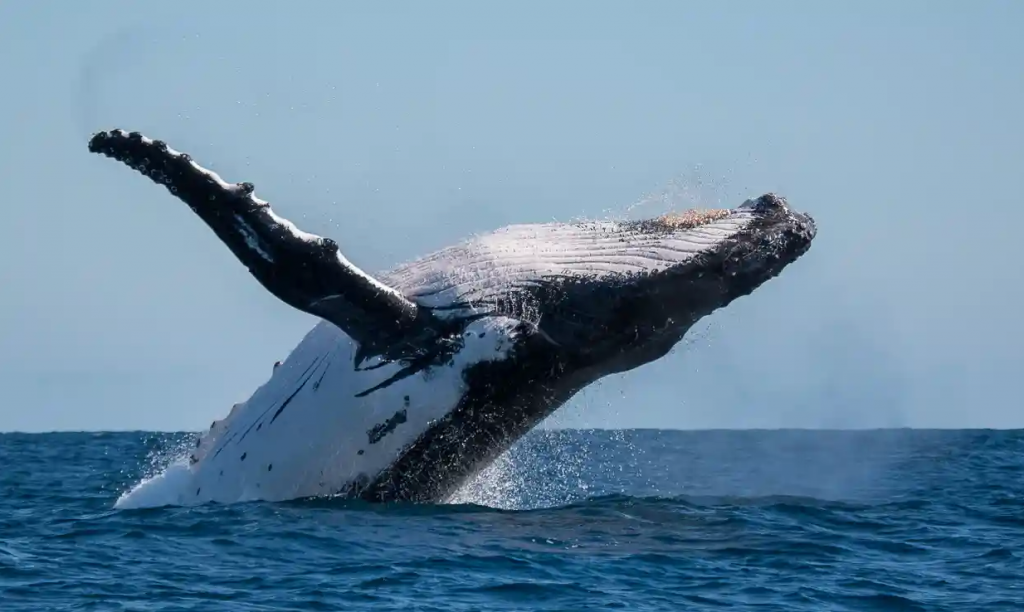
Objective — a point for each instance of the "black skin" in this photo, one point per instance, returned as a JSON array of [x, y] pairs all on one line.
[[588, 328], [306, 274]]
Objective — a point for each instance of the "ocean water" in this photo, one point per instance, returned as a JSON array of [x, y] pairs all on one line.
[[567, 520]]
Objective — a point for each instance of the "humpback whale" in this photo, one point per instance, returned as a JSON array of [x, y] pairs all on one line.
[[414, 380]]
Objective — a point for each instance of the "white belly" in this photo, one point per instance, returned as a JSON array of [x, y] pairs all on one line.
[[324, 437]]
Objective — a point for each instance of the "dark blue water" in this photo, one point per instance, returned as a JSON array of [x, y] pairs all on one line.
[[570, 520]]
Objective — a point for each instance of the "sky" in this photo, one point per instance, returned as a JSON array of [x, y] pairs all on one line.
[[398, 128]]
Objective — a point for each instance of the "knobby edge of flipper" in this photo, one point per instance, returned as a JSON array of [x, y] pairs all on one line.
[[306, 271]]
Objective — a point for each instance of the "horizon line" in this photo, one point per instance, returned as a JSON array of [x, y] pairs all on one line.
[[681, 429]]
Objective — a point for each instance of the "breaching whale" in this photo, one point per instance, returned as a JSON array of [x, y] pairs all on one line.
[[416, 379]]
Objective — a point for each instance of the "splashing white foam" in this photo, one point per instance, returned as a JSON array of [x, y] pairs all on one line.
[[505, 484], [165, 489], [165, 479], [499, 485], [544, 470]]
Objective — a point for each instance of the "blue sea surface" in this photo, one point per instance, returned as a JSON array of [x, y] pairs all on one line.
[[567, 520]]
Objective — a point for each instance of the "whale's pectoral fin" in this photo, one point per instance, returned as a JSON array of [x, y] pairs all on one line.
[[305, 271]]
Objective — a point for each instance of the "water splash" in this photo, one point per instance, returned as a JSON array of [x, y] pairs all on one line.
[[546, 469], [165, 477], [165, 489], [499, 485], [694, 189], [543, 470]]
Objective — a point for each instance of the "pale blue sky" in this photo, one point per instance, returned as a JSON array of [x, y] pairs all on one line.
[[398, 128]]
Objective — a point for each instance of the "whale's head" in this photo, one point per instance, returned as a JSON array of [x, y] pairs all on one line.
[[634, 288]]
